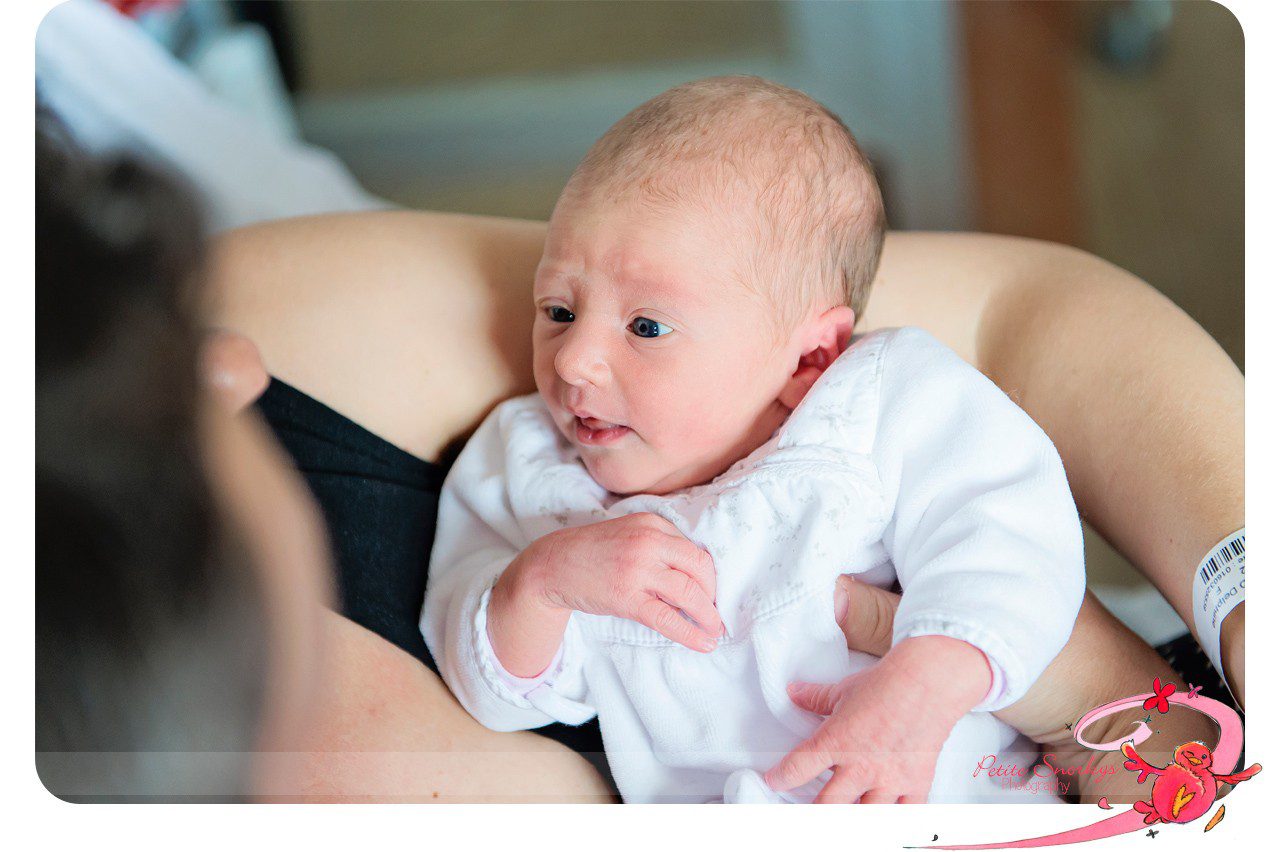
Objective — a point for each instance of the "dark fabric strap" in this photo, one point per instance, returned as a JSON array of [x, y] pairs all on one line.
[[380, 506]]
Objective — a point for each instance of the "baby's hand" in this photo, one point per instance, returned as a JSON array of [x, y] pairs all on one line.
[[885, 725], [638, 567]]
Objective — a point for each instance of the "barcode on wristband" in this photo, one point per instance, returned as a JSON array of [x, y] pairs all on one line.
[[1213, 566], [1218, 588]]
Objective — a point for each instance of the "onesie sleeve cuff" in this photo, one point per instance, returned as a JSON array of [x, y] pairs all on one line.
[[523, 686], [537, 692]]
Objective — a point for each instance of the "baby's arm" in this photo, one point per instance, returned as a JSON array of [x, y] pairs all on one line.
[[984, 536], [637, 566], [498, 610], [988, 549], [478, 536]]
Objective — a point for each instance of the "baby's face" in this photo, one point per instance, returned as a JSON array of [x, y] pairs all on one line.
[[657, 364]]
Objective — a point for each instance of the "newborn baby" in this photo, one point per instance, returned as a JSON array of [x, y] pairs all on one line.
[[655, 536]]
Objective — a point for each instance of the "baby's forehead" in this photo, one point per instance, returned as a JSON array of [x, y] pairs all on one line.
[[673, 243], [651, 272]]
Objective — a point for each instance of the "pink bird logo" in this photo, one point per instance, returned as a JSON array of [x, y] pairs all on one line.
[[1185, 789]]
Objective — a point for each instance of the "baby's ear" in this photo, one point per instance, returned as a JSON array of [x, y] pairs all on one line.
[[824, 339]]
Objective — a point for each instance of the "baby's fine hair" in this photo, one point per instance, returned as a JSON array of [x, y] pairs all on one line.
[[735, 143]]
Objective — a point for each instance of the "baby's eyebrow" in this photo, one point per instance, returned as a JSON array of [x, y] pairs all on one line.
[[653, 280], [559, 277], [642, 284], [557, 272]]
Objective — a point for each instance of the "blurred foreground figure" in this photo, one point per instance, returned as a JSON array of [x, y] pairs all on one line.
[[156, 625]]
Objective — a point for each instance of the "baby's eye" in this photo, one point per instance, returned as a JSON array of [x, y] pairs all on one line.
[[645, 327], [559, 313]]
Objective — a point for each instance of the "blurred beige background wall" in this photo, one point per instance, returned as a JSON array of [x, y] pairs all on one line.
[[1162, 168], [430, 43]]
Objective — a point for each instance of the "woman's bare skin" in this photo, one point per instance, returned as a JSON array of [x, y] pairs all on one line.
[[416, 324], [389, 730]]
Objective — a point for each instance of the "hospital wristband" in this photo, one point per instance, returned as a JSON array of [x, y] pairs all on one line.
[[1216, 590]]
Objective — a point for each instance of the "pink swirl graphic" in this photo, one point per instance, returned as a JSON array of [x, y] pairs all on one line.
[[1225, 757]]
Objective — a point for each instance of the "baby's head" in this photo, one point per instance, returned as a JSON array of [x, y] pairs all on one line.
[[703, 266]]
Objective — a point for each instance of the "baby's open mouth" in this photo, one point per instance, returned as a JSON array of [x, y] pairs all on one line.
[[596, 432]]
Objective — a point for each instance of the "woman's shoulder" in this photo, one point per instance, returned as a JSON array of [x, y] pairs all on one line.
[[383, 223], [383, 246]]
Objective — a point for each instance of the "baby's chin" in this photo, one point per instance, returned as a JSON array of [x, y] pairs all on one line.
[[626, 477], [617, 477]]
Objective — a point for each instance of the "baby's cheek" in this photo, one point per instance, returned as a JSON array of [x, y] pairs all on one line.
[[689, 400]]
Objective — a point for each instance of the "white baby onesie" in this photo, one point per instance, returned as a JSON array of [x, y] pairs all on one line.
[[902, 463]]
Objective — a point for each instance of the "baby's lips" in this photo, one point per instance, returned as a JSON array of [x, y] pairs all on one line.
[[597, 423]]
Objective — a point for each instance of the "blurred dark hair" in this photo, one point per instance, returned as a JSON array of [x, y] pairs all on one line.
[[149, 628]]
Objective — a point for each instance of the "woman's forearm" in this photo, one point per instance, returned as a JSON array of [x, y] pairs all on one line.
[[1102, 661], [384, 728], [1145, 408]]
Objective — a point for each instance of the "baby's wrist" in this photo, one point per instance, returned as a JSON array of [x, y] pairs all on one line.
[[525, 630], [955, 675], [529, 579]]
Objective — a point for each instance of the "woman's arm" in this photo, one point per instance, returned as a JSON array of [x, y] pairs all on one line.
[[376, 316], [386, 729], [1145, 408]]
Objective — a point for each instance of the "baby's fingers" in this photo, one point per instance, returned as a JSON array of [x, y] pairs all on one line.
[[662, 617], [879, 796], [845, 787], [686, 557], [683, 592], [805, 762]]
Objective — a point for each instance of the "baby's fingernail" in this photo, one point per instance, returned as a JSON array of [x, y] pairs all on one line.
[[707, 644]]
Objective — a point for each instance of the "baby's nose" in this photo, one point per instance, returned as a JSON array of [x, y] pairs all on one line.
[[581, 360]]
